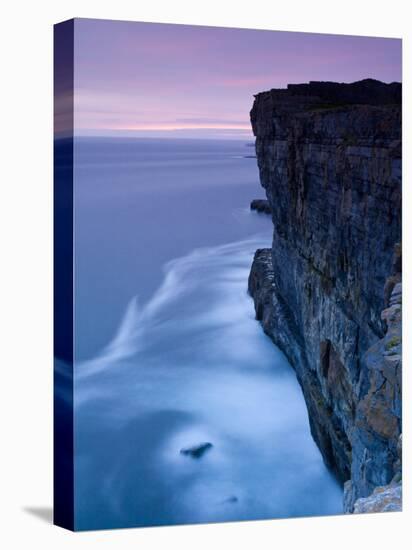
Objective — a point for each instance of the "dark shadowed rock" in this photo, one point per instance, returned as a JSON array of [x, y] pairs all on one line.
[[261, 205], [329, 158], [196, 451], [368, 91]]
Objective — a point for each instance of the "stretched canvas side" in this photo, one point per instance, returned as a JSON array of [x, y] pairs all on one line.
[[63, 275]]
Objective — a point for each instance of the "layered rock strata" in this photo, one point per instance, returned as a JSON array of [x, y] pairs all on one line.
[[329, 158]]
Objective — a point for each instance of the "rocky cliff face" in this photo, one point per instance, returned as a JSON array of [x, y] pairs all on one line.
[[329, 158]]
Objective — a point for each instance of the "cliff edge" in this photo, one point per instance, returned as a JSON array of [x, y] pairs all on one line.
[[328, 292]]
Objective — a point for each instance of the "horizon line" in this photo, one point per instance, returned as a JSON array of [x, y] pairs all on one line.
[[63, 136]]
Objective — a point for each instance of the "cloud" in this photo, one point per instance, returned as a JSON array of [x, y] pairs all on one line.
[[206, 121], [180, 133]]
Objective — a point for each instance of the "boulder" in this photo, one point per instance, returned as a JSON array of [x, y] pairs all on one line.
[[383, 499], [196, 451]]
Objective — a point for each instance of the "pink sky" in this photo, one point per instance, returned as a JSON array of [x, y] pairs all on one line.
[[147, 79]]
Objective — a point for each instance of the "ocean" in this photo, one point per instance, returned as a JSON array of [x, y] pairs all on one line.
[[168, 353]]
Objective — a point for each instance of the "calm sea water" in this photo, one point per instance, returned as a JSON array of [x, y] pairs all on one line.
[[168, 352]]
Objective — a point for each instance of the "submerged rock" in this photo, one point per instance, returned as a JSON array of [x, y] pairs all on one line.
[[231, 500], [261, 205], [196, 451]]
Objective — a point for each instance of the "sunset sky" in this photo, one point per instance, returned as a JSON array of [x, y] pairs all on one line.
[[155, 80]]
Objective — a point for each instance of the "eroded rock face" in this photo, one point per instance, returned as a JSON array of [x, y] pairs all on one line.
[[376, 437], [329, 158]]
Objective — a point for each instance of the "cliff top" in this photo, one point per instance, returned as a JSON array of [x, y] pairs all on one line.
[[363, 110], [364, 92]]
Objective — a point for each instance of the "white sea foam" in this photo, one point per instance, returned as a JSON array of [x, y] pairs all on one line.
[[194, 365], [222, 270]]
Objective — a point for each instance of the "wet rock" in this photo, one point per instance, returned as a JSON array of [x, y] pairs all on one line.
[[261, 205], [329, 290], [196, 451], [260, 285], [383, 499], [377, 434]]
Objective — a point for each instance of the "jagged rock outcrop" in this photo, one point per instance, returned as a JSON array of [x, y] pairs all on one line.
[[376, 438], [383, 499], [261, 205], [329, 158]]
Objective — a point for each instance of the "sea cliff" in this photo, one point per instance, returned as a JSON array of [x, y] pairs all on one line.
[[329, 290]]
